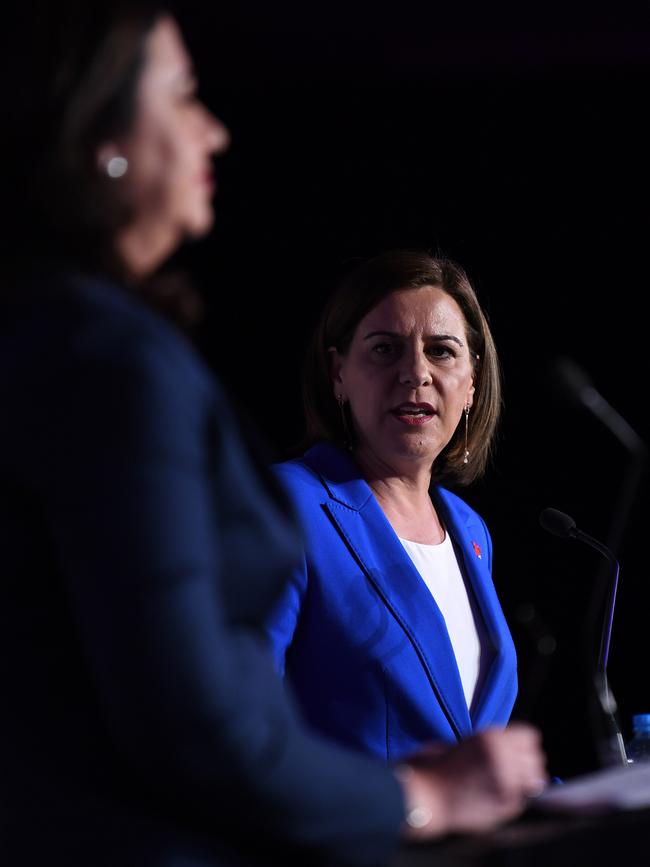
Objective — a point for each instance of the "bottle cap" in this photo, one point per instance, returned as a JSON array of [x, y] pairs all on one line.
[[641, 722]]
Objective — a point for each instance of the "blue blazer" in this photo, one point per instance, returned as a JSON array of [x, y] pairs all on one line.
[[359, 635], [143, 545]]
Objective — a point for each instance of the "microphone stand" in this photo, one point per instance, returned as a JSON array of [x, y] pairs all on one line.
[[578, 387], [612, 747]]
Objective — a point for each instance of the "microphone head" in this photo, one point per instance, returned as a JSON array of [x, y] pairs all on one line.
[[557, 522]]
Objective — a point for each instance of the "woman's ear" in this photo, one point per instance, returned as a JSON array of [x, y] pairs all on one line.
[[335, 365], [469, 400]]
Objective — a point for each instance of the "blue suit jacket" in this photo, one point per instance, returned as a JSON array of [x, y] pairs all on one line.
[[142, 546], [358, 633]]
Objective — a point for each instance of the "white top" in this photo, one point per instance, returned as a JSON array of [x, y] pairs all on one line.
[[438, 566]]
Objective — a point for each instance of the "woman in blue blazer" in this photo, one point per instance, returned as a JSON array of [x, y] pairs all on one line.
[[388, 642]]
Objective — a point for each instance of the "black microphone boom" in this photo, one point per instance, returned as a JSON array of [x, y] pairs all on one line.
[[576, 385], [563, 525], [578, 388]]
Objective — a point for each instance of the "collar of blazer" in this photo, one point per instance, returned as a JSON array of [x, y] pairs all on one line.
[[371, 539]]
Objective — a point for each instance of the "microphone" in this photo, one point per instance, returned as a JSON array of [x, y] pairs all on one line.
[[578, 388], [557, 522], [562, 525]]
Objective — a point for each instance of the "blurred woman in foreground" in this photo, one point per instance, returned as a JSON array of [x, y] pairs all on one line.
[[142, 545]]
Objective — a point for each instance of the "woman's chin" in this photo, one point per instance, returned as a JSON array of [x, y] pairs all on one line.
[[200, 223], [415, 447]]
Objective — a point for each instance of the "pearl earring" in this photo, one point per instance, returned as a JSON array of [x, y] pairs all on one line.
[[117, 167]]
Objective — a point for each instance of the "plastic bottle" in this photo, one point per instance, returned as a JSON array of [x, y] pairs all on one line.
[[638, 749]]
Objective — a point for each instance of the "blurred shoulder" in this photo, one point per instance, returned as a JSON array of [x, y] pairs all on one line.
[[64, 320], [112, 319]]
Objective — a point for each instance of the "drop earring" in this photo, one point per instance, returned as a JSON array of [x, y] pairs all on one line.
[[466, 452], [347, 439]]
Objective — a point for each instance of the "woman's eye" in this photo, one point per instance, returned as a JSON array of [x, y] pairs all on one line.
[[441, 351], [382, 349]]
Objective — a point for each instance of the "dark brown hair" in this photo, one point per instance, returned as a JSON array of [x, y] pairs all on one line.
[[365, 287], [79, 90], [82, 63]]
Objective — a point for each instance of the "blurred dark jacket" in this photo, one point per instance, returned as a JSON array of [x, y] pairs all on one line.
[[141, 548]]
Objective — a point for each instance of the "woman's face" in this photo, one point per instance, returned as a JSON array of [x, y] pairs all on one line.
[[407, 376], [170, 182]]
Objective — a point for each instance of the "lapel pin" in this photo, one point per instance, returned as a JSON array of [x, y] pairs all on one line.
[[477, 550]]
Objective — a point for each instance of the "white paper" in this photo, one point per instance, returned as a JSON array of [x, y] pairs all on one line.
[[617, 788]]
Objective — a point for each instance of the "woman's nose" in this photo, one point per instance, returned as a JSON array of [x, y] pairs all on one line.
[[415, 371], [217, 135]]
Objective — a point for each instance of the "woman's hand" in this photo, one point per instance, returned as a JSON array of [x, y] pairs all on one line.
[[473, 785]]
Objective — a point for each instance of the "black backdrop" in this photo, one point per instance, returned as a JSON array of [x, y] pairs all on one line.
[[519, 150]]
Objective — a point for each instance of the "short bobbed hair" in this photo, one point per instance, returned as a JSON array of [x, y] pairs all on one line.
[[360, 292], [82, 62], [85, 62]]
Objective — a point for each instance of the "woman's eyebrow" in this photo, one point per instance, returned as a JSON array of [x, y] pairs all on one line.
[[381, 334], [428, 336]]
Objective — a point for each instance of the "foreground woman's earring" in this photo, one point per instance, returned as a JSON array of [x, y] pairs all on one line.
[[466, 452], [347, 439], [117, 167], [111, 162]]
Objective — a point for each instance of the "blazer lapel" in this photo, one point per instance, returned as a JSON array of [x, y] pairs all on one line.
[[465, 530], [372, 541]]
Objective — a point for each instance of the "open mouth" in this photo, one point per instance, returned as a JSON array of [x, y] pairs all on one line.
[[413, 413]]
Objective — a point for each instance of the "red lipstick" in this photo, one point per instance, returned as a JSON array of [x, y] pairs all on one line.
[[413, 414]]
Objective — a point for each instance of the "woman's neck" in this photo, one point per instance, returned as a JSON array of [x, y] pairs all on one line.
[[403, 494], [144, 247]]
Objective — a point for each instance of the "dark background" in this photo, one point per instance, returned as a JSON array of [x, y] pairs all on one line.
[[519, 148]]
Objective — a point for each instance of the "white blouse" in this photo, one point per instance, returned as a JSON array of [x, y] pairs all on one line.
[[438, 566]]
